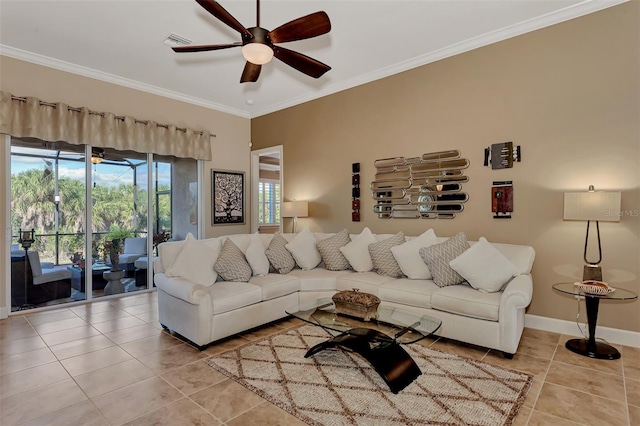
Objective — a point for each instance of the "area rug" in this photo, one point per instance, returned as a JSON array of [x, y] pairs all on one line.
[[336, 387]]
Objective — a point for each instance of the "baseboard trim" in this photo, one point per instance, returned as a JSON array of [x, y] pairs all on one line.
[[612, 335], [4, 312]]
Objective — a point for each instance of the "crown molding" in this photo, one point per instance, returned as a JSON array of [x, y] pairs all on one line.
[[571, 12], [46, 61]]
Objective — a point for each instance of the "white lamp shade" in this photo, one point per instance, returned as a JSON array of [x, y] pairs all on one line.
[[257, 53], [593, 205], [294, 209]]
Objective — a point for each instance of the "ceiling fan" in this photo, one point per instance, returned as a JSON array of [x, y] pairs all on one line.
[[258, 44]]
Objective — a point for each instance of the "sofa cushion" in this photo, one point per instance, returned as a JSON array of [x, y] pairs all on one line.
[[279, 256], [34, 261], [231, 264], [522, 257], [484, 267], [169, 250], [464, 300], [357, 251], [304, 251], [318, 279], [408, 257], [56, 273], [408, 292], [195, 260], [242, 241], [135, 245], [329, 249], [438, 256], [256, 257], [383, 261], [276, 285], [230, 295], [366, 282]]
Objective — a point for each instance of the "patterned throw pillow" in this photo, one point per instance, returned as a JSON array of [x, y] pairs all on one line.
[[438, 256], [383, 261], [279, 256], [329, 249], [231, 264]]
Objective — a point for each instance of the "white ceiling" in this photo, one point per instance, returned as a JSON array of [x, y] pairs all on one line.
[[122, 42]]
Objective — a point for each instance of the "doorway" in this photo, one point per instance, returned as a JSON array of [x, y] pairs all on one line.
[[266, 189]]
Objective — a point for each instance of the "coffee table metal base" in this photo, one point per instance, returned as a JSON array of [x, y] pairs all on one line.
[[594, 349], [387, 357]]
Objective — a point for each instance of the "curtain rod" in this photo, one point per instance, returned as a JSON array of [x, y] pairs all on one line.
[[102, 114]]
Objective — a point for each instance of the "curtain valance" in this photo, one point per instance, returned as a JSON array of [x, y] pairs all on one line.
[[31, 117]]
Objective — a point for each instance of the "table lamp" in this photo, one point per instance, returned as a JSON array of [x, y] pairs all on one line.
[[294, 209], [592, 206]]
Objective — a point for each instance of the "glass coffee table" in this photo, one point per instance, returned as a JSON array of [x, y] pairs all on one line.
[[379, 341]]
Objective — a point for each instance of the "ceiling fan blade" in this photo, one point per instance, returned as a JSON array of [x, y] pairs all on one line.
[[301, 62], [219, 12], [251, 72], [306, 27], [205, 47]]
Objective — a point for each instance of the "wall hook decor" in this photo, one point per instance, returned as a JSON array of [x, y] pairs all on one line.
[[502, 155]]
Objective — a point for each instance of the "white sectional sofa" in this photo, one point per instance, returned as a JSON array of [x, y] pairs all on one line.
[[195, 303]]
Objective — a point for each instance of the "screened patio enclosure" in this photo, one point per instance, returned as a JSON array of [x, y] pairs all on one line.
[[78, 200]]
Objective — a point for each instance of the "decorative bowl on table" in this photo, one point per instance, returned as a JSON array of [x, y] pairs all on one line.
[[594, 287]]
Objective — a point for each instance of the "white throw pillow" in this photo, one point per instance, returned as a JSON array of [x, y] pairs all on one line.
[[304, 251], [484, 267], [256, 257], [409, 259], [357, 251], [195, 261]]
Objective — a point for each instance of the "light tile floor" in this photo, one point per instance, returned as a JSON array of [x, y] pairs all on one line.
[[110, 362]]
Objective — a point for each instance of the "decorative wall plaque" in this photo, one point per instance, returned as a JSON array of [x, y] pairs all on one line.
[[429, 186], [355, 192]]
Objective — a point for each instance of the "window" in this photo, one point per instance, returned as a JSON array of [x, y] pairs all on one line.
[[268, 202], [49, 187]]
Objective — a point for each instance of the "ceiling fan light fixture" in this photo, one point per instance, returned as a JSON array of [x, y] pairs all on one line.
[[257, 53]]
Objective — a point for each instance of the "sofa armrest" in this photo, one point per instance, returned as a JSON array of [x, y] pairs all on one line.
[[515, 298], [181, 288], [518, 292]]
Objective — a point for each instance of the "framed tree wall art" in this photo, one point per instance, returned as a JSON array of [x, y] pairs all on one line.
[[227, 198]]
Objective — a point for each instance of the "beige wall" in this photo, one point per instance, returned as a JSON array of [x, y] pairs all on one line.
[[230, 147], [568, 94]]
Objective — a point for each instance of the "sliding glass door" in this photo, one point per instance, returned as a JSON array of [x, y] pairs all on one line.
[[137, 201]]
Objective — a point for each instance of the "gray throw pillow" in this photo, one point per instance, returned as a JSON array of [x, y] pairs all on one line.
[[438, 256], [279, 257], [384, 263], [329, 249], [231, 264]]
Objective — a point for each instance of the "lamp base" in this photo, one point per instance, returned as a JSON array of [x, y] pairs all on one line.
[[592, 273]]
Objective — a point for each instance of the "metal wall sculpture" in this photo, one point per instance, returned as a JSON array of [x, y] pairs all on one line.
[[428, 187]]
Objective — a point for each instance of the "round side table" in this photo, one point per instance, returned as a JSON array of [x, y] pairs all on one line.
[[589, 347]]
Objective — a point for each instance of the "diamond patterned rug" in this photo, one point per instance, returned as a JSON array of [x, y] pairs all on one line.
[[336, 387]]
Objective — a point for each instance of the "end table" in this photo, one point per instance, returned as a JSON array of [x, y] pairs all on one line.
[[589, 347]]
